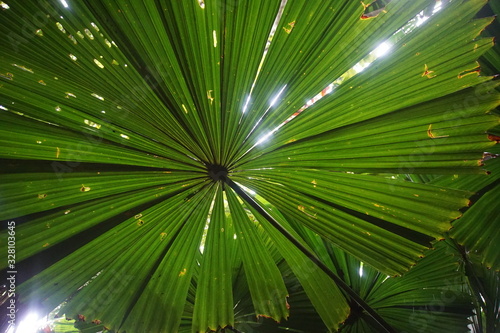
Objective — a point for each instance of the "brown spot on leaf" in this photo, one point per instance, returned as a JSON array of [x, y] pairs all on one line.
[[488, 156], [494, 138]]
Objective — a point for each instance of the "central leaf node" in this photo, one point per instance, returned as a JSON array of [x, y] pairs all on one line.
[[217, 172]]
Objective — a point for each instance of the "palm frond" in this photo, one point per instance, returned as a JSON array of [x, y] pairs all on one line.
[[132, 133]]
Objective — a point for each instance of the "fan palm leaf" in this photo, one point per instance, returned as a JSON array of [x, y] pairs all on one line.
[[148, 122]]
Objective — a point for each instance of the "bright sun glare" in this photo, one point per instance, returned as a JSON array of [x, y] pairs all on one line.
[[31, 323]]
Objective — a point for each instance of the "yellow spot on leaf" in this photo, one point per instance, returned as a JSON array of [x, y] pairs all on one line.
[[138, 216], [314, 183], [98, 63], [7, 76], [163, 235], [427, 72], [303, 210], [429, 132], [60, 27], [209, 96], [89, 34], [42, 196], [289, 27], [432, 136], [58, 151], [24, 68], [474, 70], [84, 188], [46, 244], [183, 272], [98, 97], [92, 124]]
